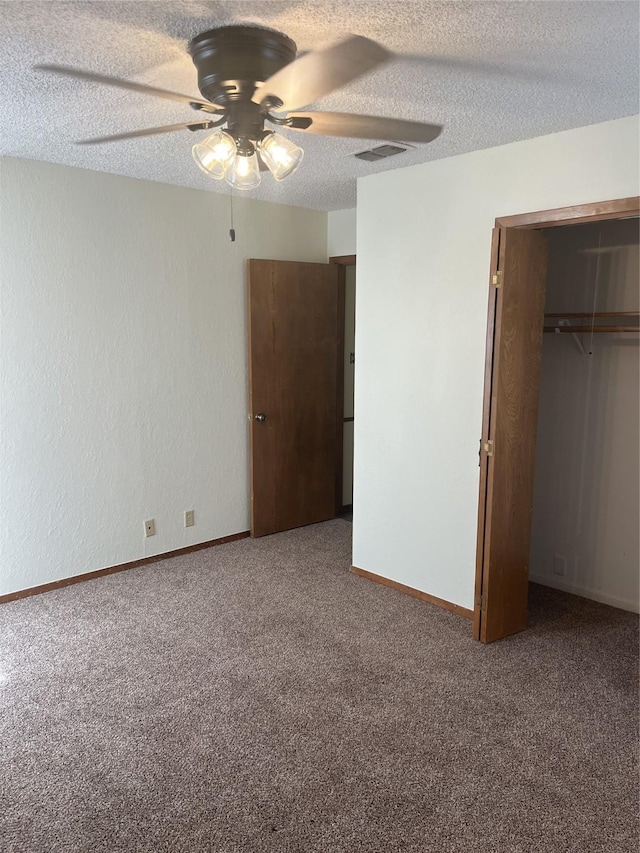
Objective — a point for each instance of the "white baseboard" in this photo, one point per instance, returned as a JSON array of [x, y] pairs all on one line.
[[583, 592]]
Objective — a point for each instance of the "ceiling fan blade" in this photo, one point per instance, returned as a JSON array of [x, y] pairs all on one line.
[[319, 72], [127, 84], [364, 127], [150, 131]]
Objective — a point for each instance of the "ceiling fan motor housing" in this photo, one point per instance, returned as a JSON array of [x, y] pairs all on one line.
[[231, 61]]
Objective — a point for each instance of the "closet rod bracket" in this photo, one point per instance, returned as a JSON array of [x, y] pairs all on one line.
[[573, 335]]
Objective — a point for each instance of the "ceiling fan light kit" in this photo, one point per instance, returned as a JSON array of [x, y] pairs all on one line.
[[223, 158], [245, 75]]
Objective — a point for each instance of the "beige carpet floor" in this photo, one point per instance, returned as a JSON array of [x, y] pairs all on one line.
[[258, 697]]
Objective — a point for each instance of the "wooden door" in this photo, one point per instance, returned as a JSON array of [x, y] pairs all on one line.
[[507, 458], [295, 356]]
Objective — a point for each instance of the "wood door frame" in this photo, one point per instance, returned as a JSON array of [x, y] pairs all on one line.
[[622, 208], [342, 261]]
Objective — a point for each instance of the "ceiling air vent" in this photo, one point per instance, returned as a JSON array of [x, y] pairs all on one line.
[[380, 152]]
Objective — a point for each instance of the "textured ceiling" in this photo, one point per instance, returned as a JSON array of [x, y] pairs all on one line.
[[490, 72]]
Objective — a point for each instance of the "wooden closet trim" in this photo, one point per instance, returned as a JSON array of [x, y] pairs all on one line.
[[620, 208]]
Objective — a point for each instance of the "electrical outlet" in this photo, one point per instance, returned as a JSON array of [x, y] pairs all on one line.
[[189, 519], [150, 527], [559, 565]]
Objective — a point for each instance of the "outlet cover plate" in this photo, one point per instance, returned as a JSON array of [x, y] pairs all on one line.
[[559, 565], [150, 527], [189, 518]]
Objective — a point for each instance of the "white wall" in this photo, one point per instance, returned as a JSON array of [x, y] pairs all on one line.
[[587, 501], [423, 236], [123, 384], [341, 233]]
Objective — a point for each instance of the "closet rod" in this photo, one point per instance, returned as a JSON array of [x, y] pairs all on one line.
[[577, 314], [589, 329]]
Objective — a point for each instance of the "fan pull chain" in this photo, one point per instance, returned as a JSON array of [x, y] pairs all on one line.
[[595, 291], [232, 230]]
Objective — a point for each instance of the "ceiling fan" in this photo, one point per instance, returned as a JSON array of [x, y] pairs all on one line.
[[246, 75]]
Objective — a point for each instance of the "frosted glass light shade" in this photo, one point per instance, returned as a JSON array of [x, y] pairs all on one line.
[[215, 154], [244, 172], [280, 155]]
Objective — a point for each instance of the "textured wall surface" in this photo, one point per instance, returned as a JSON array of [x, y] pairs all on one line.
[[424, 238], [341, 232], [587, 501], [123, 385]]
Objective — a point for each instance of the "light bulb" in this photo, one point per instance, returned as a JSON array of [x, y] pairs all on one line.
[[242, 168], [280, 155], [244, 173], [214, 154]]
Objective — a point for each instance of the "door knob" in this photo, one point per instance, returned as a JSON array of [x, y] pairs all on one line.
[[260, 417]]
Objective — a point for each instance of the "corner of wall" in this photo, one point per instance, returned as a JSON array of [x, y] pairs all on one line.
[[341, 232]]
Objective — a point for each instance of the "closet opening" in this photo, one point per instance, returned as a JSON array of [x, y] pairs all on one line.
[[349, 387], [584, 534], [559, 463], [346, 383]]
